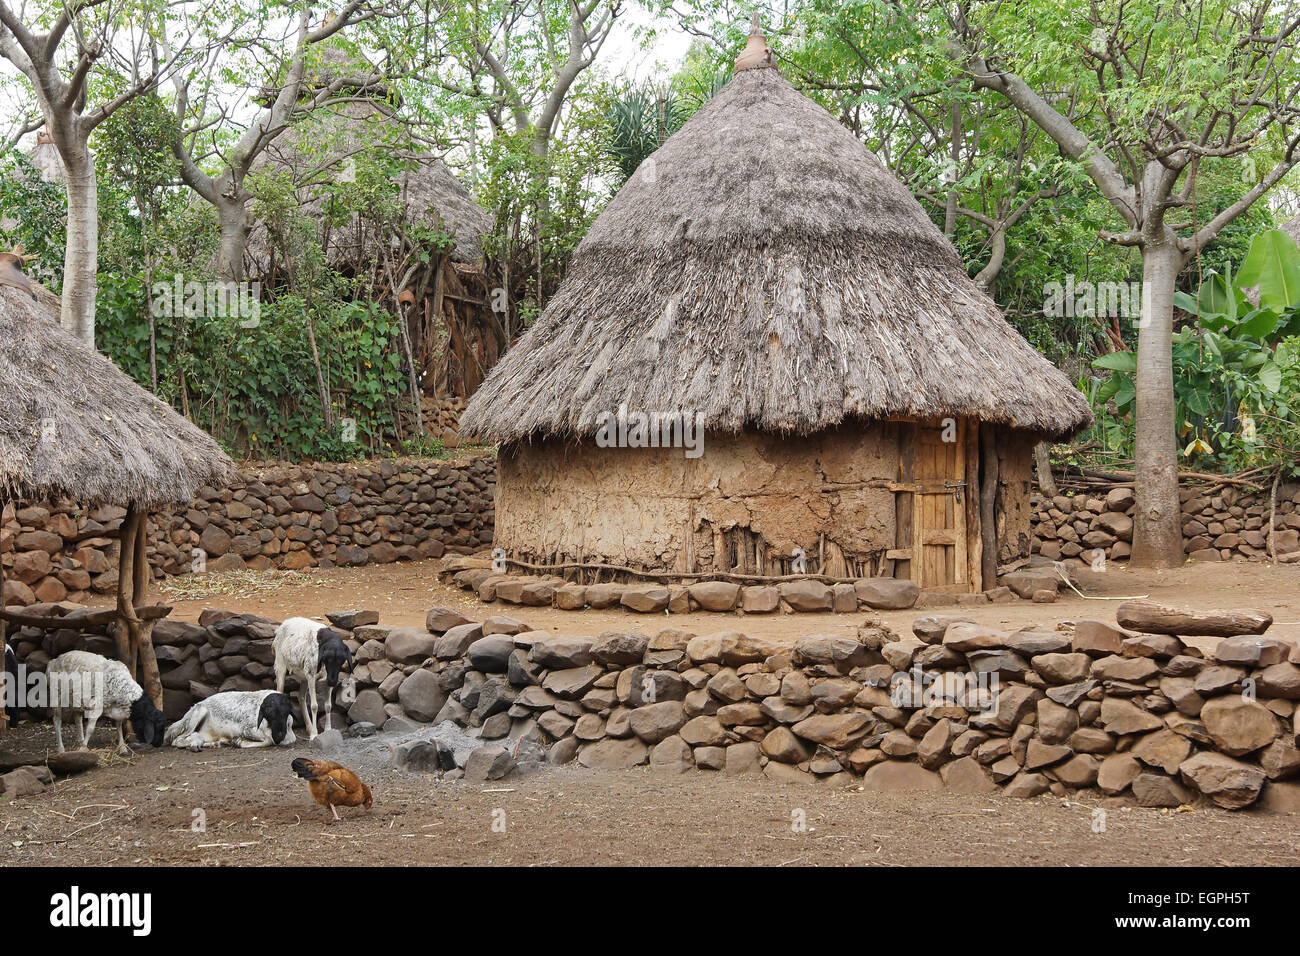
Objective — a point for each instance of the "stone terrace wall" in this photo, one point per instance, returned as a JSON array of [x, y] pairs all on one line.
[[1217, 526], [1140, 716], [274, 516], [1145, 717]]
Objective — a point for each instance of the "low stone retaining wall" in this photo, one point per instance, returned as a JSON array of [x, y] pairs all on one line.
[[1038, 581], [1217, 526], [273, 516], [1094, 706]]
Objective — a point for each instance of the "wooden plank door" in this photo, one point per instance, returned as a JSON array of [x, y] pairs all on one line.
[[939, 544]]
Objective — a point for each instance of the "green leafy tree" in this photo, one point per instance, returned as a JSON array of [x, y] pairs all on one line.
[[83, 61], [1145, 97]]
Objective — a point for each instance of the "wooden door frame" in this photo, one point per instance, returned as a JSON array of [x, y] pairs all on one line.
[[906, 555]]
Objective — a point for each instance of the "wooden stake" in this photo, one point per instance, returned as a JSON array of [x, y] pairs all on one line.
[[988, 495]]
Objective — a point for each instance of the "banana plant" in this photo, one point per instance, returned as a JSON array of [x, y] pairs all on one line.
[[1262, 302], [1225, 364]]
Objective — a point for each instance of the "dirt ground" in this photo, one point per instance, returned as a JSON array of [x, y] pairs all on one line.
[[402, 593], [143, 810]]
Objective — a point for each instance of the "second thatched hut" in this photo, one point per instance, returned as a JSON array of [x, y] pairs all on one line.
[[865, 407], [455, 336], [73, 425]]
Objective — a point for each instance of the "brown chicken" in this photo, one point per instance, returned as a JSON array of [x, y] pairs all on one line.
[[331, 785]]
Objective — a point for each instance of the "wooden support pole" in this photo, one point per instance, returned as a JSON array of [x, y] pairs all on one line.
[[988, 505], [150, 678], [135, 635], [125, 587], [974, 508]]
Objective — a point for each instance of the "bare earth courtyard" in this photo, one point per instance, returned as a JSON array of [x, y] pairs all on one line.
[[143, 810], [257, 813]]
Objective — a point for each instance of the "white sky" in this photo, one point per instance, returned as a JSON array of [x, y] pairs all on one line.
[[623, 56]]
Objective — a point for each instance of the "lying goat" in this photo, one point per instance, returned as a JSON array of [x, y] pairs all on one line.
[[302, 649], [246, 718], [89, 686]]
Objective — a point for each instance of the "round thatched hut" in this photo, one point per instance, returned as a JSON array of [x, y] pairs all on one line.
[[763, 276], [455, 337], [72, 425]]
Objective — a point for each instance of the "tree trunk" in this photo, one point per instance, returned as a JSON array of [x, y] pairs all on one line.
[[322, 390], [997, 256], [541, 148], [1043, 462], [148, 285], [1157, 525], [954, 157], [234, 239], [81, 255]]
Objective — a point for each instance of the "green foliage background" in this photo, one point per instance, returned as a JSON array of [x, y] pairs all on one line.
[[885, 76]]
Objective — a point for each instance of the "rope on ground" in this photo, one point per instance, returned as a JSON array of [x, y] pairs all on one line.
[[1095, 597]]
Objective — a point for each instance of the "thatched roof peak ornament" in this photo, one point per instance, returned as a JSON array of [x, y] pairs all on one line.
[[757, 55], [11, 271]]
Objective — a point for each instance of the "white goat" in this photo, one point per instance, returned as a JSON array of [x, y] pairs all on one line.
[[302, 649], [89, 686], [246, 718]]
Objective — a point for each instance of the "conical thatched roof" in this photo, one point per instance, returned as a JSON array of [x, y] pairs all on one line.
[[763, 268], [430, 196], [45, 157], [73, 425]]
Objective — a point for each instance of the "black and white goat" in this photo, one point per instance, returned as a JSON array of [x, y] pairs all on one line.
[[302, 649], [246, 718], [89, 686]]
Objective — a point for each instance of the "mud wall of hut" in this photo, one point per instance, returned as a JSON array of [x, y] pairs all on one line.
[[747, 502], [1013, 509]]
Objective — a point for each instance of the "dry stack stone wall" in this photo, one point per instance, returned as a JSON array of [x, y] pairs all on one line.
[[323, 515], [441, 415], [272, 516], [1135, 714], [1128, 710], [1218, 524]]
